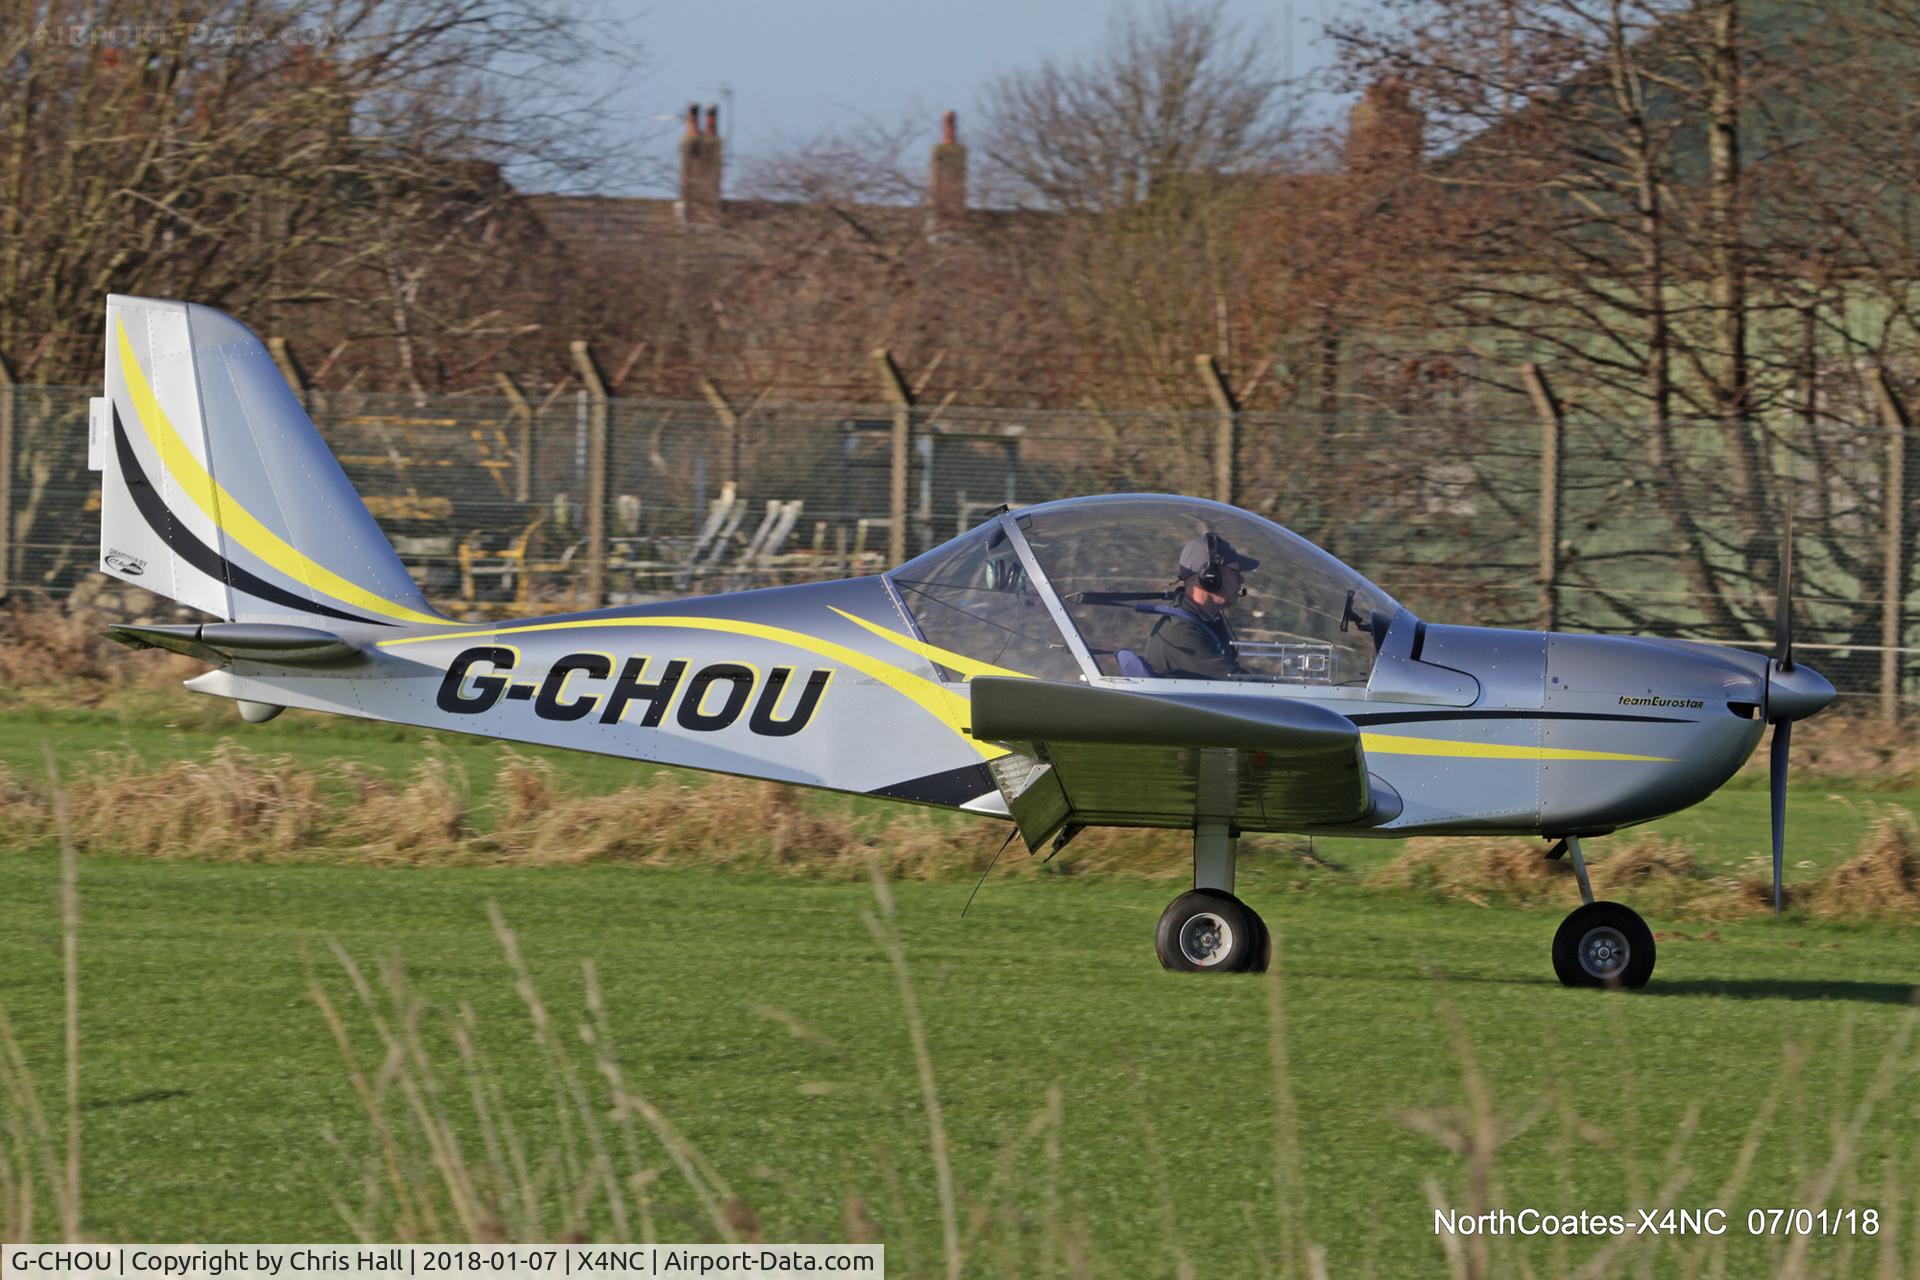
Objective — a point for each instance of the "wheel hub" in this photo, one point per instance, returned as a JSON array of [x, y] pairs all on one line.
[[1206, 939], [1604, 952]]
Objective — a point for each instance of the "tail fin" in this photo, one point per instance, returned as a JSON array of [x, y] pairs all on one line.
[[217, 491]]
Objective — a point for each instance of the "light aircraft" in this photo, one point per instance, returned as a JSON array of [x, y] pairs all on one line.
[[1001, 673]]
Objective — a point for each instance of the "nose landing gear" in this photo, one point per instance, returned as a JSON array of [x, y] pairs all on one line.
[[1602, 944], [1208, 930]]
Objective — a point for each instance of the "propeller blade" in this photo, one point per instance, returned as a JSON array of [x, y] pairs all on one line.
[[1783, 602], [1777, 780]]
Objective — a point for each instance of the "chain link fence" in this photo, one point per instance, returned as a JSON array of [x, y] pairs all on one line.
[[502, 507]]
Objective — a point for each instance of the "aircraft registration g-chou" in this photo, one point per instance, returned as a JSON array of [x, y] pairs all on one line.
[[1001, 673]]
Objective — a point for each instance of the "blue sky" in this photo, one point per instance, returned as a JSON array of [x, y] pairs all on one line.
[[793, 68]]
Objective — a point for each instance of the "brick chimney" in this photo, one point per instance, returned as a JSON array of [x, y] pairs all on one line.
[[699, 204], [947, 186], [1385, 131]]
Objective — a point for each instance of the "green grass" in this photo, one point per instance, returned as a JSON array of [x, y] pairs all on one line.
[[209, 1078]]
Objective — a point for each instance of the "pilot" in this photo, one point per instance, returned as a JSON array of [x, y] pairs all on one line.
[[1191, 640]]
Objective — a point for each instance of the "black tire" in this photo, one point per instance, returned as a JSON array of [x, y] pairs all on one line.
[[1262, 956], [1603, 944], [1207, 931]]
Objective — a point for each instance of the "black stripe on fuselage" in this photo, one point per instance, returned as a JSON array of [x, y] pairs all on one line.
[[952, 788], [1416, 717], [182, 543]]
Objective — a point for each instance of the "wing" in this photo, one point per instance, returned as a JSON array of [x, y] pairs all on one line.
[[1101, 757]]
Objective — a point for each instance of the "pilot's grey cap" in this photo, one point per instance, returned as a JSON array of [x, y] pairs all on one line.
[[1193, 556]]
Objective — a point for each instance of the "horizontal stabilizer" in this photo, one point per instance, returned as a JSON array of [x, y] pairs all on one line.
[[223, 643]]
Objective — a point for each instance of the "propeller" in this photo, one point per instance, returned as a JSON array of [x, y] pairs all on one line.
[[1777, 784], [1793, 693], [1783, 602], [1782, 725]]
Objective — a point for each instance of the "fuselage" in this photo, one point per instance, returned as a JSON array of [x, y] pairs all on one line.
[[1465, 729]]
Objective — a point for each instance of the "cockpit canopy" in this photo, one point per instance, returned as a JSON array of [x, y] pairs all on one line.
[[1073, 589]]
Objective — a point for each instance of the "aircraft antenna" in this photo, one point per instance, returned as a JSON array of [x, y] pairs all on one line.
[[984, 874]]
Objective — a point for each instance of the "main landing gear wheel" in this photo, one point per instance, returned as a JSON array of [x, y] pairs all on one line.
[[1603, 944], [1262, 944], [1211, 931]]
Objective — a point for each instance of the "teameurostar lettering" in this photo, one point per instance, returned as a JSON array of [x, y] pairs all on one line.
[[580, 685], [1693, 704]]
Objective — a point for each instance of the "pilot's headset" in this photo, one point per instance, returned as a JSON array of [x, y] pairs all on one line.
[[1209, 577]]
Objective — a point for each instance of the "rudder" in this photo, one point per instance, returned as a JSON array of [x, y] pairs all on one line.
[[217, 490]]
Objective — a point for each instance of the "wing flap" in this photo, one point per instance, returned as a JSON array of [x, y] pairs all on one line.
[[1102, 757]]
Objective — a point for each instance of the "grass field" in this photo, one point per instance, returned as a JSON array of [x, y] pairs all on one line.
[[1103, 1117]]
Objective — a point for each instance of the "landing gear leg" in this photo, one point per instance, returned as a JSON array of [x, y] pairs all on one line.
[[1580, 870], [1602, 944], [1209, 930]]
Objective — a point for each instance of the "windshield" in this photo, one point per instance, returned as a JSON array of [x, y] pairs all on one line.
[[1116, 563], [972, 596]]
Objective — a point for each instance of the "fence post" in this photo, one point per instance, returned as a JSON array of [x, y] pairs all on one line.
[[1226, 431], [730, 433], [1547, 406], [523, 437], [894, 388], [1894, 416], [596, 503], [7, 393]]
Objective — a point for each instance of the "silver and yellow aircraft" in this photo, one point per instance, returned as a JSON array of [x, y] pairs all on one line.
[[1131, 660]]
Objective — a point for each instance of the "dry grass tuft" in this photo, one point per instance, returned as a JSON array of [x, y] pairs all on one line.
[[239, 805], [21, 809], [54, 650], [1477, 868], [1650, 871], [1863, 749], [423, 820], [232, 804], [1882, 881], [1650, 862]]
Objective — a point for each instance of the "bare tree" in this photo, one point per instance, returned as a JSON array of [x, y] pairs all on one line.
[[1178, 92], [1154, 157], [1698, 214], [874, 162], [340, 163], [1599, 222], [267, 155]]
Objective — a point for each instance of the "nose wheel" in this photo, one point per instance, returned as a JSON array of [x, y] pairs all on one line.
[[1602, 944]]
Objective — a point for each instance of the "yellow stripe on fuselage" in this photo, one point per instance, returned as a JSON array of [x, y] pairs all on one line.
[[968, 667], [1388, 744], [951, 709], [934, 698], [225, 510]]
